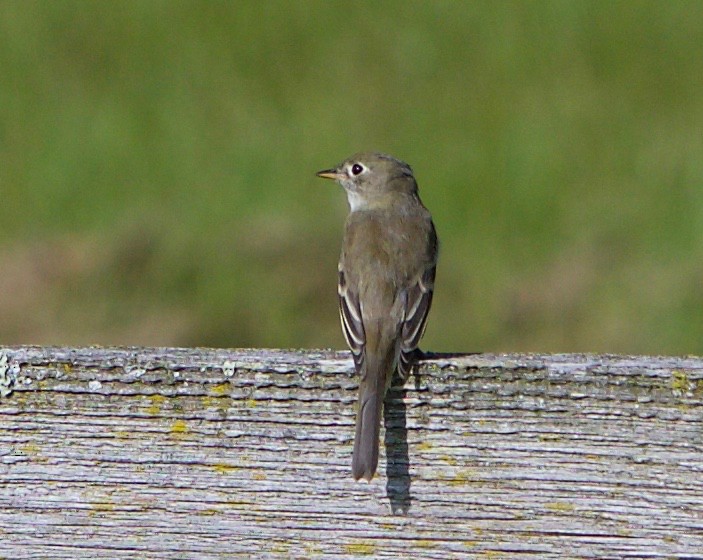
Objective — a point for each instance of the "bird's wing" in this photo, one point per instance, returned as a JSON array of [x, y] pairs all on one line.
[[419, 300], [350, 315]]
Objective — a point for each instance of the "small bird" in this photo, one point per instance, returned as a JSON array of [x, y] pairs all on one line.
[[386, 280]]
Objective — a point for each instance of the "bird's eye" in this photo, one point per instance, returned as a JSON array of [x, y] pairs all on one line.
[[357, 169]]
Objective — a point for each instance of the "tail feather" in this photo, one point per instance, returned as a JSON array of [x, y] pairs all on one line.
[[376, 374], [368, 428]]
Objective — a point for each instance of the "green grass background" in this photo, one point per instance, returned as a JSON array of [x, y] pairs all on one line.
[[157, 164]]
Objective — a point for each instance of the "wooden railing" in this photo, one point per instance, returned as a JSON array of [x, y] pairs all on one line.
[[198, 453]]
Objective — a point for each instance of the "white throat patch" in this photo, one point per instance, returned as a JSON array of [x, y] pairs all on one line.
[[356, 201]]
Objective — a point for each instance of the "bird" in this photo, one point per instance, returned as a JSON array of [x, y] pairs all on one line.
[[385, 284]]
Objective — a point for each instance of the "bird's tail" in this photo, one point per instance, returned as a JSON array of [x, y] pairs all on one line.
[[376, 374]]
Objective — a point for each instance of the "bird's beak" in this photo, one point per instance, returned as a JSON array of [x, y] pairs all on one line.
[[329, 174]]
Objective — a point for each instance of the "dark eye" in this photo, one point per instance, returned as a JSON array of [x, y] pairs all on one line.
[[357, 168]]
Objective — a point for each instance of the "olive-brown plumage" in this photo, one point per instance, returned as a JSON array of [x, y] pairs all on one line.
[[386, 280]]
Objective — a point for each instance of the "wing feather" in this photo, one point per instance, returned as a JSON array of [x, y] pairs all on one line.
[[350, 315], [419, 301]]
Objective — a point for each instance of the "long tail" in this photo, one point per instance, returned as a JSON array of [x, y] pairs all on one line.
[[375, 378]]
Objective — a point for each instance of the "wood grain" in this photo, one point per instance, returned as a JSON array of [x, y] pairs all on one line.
[[199, 453]]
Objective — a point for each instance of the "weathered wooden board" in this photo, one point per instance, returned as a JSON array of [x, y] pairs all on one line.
[[197, 453]]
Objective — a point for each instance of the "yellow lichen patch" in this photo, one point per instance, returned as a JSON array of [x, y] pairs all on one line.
[[425, 446], [361, 548], [241, 504], [220, 389], [179, 429], [29, 448], [251, 403], [209, 511], [209, 402], [258, 476], [222, 468], [102, 507], [559, 506], [680, 383], [449, 460], [424, 543], [462, 477], [280, 548], [593, 457], [122, 434], [101, 503], [157, 402]]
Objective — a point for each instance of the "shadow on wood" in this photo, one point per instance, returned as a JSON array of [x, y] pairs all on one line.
[[396, 443]]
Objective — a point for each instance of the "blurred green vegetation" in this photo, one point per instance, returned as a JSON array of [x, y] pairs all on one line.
[[157, 165]]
